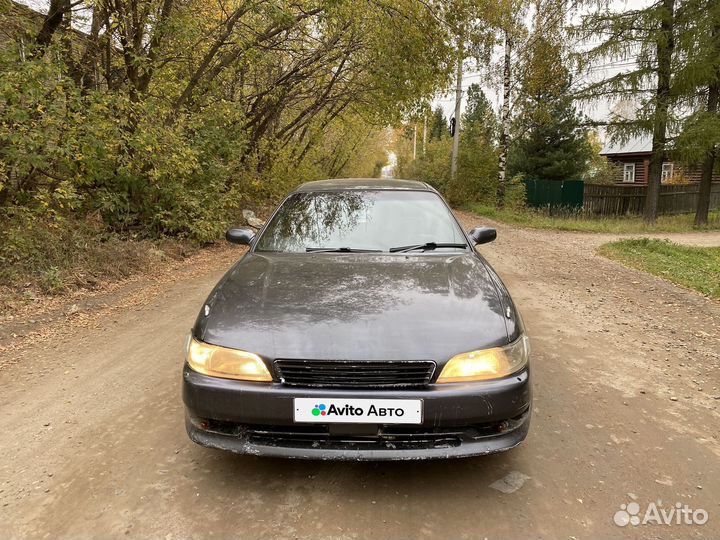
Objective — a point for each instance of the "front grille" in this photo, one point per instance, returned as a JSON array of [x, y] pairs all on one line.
[[386, 437], [352, 374]]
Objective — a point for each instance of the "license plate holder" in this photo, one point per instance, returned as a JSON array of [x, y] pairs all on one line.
[[357, 411]]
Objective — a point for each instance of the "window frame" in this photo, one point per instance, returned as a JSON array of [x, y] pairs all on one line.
[[626, 168], [663, 176]]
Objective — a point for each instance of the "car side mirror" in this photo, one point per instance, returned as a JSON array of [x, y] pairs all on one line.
[[240, 236], [482, 235]]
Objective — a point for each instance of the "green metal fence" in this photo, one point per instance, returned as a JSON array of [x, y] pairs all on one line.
[[554, 193]]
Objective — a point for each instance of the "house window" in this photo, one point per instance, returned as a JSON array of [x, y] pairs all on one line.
[[667, 172], [629, 172]]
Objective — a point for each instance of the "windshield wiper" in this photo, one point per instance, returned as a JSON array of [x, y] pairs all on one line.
[[340, 250], [427, 246]]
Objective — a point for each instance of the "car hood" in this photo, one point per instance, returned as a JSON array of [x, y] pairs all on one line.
[[355, 306]]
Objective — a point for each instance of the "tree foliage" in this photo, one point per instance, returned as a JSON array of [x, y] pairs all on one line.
[[553, 149], [698, 79], [439, 126], [674, 79], [168, 115], [549, 141], [477, 160], [653, 35]]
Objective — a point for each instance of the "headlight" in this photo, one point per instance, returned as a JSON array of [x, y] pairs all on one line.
[[226, 363], [487, 364]]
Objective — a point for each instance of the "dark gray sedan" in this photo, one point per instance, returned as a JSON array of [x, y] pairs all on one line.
[[360, 325]]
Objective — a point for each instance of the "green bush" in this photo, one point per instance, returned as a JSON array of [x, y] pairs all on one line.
[[432, 167], [516, 194], [64, 152]]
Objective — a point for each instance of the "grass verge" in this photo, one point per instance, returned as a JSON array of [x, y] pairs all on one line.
[[44, 259], [540, 219], [697, 268]]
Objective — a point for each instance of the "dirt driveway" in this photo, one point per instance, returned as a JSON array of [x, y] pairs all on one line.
[[627, 397]]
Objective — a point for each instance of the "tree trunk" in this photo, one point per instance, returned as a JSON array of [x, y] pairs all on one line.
[[505, 121], [415, 142], [91, 58], [458, 102], [53, 20], [665, 46], [703, 205]]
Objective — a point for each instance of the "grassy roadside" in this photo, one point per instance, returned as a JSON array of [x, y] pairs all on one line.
[[697, 268], [537, 219], [40, 259]]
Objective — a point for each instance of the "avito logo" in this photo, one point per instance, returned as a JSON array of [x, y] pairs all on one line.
[[656, 514], [319, 410], [333, 410]]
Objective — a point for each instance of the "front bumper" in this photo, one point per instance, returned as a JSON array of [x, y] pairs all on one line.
[[459, 420]]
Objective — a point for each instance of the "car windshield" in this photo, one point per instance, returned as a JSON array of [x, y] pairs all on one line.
[[361, 220]]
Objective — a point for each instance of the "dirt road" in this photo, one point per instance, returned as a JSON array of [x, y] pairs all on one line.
[[627, 398]]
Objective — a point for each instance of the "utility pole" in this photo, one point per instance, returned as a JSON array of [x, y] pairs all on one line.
[[505, 120], [415, 142], [424, 131], [458, 102]]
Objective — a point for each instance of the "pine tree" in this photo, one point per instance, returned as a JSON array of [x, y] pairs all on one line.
[[554, 149], [479, 118], [438, 125], [550, 141], [478, 160]]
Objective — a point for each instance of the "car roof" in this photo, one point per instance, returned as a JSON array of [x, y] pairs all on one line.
[[342, 184]]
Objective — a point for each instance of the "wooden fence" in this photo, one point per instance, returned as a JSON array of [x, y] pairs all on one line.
[[624, 199]]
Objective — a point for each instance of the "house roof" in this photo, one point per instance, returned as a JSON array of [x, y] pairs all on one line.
[[20, 9], [635, 145]]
